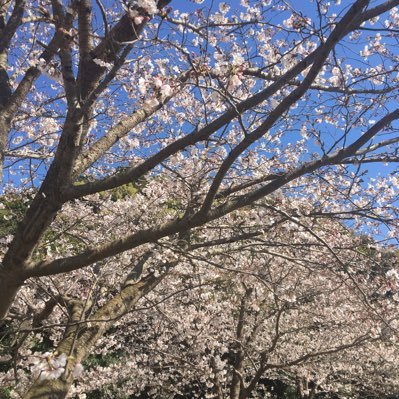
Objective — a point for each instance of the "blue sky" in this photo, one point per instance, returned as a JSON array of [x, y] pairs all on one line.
[[308, 8]]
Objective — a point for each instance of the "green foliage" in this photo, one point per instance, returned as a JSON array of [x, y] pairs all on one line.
[[127, 190], [12, 210], [103, 360], [5, 393], [44, 345], [290, 392], [118, 193]]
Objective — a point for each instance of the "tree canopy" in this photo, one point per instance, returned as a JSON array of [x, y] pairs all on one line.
[[199, 199]]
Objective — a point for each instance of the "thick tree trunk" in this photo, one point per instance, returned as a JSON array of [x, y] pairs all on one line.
[[9, 286], [45, 389], [237, 390], [78, 341], [14, 269], [4, 127]]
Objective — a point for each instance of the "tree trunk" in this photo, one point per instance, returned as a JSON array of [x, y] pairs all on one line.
[[78, 342], [49, 389]]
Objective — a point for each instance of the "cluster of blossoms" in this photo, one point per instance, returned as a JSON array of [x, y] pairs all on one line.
[[135, 10], [216, 177], [150, 6], [49, 366]]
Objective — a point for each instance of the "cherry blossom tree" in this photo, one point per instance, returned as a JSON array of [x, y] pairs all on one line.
[[240, 308], [224, 318], [145, 142]]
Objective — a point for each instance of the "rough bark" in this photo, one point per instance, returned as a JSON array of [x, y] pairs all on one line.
[[79, 341], [7, 31], [16, 266], [237, 385]]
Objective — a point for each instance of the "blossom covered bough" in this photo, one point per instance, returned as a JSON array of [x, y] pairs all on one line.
[[168, 165], [51, 366]]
